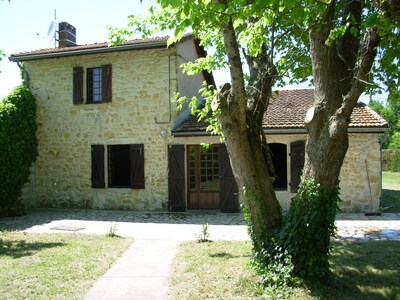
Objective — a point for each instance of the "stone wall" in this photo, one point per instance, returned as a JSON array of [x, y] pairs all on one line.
[[360, 190], [355, 190], [142, 83], [361, 177]]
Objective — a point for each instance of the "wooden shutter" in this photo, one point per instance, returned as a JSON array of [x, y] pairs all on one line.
[[98, 166], [297, 153], [137, 166], [228, 194], [106, 83], [176, 178], [78, 85]]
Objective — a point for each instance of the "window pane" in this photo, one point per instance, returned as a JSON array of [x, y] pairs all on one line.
[[95, 85], [209, 170]]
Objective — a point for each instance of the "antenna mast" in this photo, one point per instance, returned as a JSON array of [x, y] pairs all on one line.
[[55, 31]]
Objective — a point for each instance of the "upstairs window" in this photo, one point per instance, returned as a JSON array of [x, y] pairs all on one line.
[[94, 85], [98, 85]]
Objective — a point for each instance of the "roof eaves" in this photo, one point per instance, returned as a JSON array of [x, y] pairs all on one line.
[[278, 130], [83, 51], [191, 133], [365, 129]]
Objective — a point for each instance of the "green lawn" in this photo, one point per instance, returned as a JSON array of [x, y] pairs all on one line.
[[390, 192], [218, 270], [54, 266]]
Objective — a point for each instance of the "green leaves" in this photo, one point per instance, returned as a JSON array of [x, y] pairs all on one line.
[[336, 33], [18, 147]]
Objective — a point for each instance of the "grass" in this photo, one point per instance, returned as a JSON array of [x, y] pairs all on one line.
[[217, 270], [390, 192], [54, 266]]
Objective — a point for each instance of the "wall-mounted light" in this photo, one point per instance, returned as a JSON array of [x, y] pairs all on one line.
[[163, 132]]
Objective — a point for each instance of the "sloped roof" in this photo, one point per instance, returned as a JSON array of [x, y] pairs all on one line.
[[287, 112], [153, 42]]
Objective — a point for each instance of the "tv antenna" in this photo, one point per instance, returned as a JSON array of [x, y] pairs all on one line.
[[52, 31]]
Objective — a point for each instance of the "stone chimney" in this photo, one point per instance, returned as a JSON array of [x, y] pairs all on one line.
[[66, 35]]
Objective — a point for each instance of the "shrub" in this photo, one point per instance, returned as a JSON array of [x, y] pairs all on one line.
[[300, 250], [18, 147], [391, 160]]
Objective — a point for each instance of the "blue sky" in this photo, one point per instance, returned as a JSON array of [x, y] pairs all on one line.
[[22, 20]]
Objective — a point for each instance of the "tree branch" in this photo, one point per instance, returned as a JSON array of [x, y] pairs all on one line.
[[348, 44], [237, 99], [367, 56]]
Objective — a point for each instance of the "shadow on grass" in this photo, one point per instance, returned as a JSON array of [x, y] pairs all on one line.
[[21, 248], [227, 256], [221, 255], [390, 201], [362, 270]]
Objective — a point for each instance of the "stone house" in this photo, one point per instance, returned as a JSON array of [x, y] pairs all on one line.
[[110, 137], [361, 175]]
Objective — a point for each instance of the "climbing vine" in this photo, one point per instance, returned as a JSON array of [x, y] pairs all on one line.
[[18, 147], [301, 248]]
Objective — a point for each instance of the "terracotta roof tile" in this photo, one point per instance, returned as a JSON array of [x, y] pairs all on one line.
[[288, 109], [89, 47]]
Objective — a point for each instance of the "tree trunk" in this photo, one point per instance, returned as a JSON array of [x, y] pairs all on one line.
[[241, 117], [254, 182], [340, 72]]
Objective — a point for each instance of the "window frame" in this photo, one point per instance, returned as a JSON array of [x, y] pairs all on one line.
[[279, 157], [103, 86], [94, 82], [134, 157]]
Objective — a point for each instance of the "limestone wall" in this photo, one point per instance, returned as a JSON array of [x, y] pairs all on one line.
[[360, 177], [141, 84], [355, 190], [143, 81], [363, 154]]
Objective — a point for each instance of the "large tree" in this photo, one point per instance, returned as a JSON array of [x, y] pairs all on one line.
[[263, 43]]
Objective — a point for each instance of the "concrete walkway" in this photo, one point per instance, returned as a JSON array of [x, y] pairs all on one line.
[[143, 270], [141, 273]]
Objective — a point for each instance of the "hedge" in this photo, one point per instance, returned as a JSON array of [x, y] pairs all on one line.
[[391, 160], [18, 147]]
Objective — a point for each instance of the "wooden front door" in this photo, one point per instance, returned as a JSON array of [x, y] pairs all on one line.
[[176, 178], [203, 177]]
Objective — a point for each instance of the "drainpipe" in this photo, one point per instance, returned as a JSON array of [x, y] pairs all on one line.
[[169, 93], [385, 137]]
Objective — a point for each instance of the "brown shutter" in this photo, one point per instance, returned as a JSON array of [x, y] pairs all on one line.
[[176, 178], [297, 152], [78, 85], [106, 83], [98, 166], [228, 194], [137, 166]]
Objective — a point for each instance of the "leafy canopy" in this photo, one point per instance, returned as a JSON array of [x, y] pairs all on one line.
[[282, 26], [279, 24]]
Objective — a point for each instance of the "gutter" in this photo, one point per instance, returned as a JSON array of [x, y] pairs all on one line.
[[28, 57], [368, 130], [285, 131], [190, 133]]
